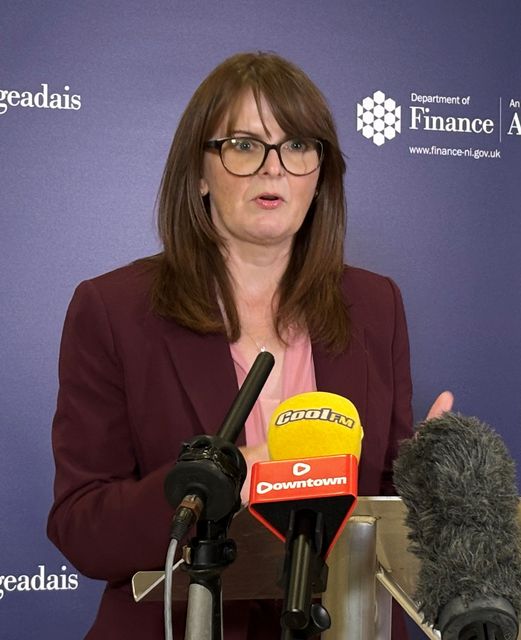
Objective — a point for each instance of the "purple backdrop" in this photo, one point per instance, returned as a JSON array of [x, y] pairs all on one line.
[[78, 187]]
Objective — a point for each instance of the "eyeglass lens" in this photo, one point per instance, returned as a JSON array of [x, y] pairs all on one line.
[[244, 156]]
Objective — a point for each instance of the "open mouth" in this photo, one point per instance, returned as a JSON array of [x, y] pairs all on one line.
[[269, 201], [269, 197]]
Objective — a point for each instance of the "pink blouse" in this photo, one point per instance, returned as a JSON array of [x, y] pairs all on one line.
[[297, 376]]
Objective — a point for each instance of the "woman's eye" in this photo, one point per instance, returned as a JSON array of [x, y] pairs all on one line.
[[296, 145], [243, 144]]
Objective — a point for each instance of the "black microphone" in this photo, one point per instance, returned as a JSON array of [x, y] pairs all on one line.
[[207, 478], [458, 483]]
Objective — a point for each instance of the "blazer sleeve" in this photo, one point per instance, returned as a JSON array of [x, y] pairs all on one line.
[[106, 519], [401, 426]]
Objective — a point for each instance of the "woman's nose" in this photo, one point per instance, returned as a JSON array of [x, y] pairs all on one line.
[[272, 165]]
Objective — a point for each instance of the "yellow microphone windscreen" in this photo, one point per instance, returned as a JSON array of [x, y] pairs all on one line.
[[314, 424]]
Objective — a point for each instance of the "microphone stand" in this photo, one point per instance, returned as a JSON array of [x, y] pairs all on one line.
[[206, 556], [220, 464], [210, 553], [304, 573], [206, 481]]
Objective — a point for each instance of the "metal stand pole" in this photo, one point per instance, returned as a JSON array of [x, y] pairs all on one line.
[[200, 614], [351, 596]]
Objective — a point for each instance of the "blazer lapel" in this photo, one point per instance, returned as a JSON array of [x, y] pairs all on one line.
[[345, 374], [206, 372]]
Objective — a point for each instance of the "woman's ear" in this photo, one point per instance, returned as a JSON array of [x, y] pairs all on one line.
[[203, 187]]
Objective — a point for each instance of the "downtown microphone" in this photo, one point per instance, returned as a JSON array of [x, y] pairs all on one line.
[[457, 480], [305, 496], [314, 442]]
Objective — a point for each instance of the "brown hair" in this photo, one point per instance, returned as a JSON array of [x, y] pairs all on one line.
[[192, 272]]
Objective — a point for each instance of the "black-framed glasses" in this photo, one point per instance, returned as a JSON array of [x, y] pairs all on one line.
[[244, 156]]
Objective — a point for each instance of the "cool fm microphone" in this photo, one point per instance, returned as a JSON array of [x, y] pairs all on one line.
[[314, 441], [306, 494], [457, 481]]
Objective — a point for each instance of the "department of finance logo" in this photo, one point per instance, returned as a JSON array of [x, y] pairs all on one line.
[[378, 118]]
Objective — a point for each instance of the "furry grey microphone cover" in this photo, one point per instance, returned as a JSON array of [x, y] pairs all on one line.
[[457, 481]]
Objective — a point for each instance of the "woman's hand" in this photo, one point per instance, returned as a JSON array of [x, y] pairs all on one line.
[[257, 453], [442, 404]]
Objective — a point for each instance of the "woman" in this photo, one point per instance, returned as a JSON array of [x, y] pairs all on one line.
[[251, 215]]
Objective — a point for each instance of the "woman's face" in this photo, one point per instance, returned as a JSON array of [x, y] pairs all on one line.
[[267, 208]]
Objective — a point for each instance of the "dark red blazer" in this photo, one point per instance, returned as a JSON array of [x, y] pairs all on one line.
[[133, 386]]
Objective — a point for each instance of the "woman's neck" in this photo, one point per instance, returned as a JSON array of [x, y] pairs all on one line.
[[256, 273]]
